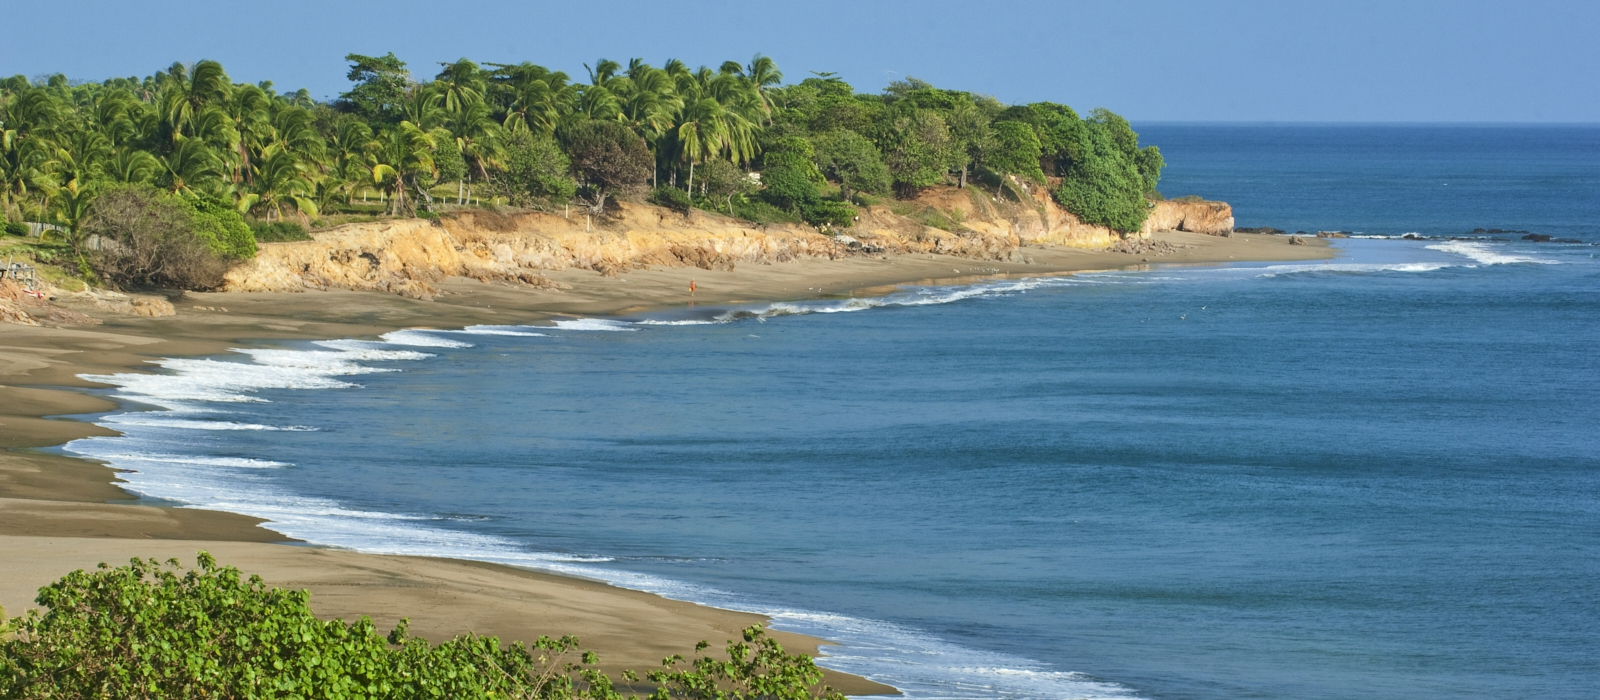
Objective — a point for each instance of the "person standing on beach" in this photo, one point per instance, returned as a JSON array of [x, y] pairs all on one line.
[[691, 287]]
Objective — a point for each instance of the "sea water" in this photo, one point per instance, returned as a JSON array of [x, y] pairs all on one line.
[[1371, 477]]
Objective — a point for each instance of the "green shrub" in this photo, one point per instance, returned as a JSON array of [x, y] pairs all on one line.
[[219, 225], [16, 228], [760, 212], [827, 212], [279, 232], [789, 175], [671, 198], [151, 631]]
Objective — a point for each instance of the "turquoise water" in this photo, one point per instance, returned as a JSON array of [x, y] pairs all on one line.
[[1377, 477]]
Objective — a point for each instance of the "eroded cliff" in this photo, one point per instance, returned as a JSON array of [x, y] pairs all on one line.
[[410, 256]]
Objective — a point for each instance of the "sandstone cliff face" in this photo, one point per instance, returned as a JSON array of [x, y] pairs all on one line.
[[1215, 218], [409, 257]]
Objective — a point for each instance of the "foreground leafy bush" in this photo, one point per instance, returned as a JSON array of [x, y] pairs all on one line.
[[151, 631], [16, 228], [219, 225]]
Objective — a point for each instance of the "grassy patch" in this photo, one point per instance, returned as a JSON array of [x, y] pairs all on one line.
[[52, 261], [279, 232], [928, 216], [760, 212]]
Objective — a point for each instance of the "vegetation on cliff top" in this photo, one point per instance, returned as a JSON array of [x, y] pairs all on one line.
[[734, 139], [150, 631]]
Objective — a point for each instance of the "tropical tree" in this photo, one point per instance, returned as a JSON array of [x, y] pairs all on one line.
[[538, 98], [759, 75], [380, 87], [190, 166], [187, 92], [400, 157], [279, 179], [1014, 151], [918, 149], [850, 159], [608, 159]]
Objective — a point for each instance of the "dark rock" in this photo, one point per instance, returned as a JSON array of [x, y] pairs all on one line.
[[1260, 229], [1536, 238]]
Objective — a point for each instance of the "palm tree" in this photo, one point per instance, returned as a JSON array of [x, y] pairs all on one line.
[[422, 107], [347, 149], [540, 98], [279, 179], [186, 93], [131, 165], [474, 133], [250, 111], [760, 74], [399, 156], [716, 118], [460, 83], [190, 165]]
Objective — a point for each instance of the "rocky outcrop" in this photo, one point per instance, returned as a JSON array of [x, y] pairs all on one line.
[[1215, 218], [119, 303]]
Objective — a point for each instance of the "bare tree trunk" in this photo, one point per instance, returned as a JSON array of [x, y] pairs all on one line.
[[963, 177], [460, 185], [691, 178]]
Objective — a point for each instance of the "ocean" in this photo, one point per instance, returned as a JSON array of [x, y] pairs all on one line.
[[1374, 477]]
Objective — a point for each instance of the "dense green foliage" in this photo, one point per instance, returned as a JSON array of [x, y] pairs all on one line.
[[222, 229], [1104, 182], [851, 160], [150, 631], [527, 136], [535, 171]]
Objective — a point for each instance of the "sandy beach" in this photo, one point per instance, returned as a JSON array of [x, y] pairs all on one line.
[[59, 513]]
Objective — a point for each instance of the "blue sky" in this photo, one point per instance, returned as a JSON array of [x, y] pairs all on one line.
[[1151, 60]]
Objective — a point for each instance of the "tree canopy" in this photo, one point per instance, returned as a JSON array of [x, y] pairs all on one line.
[[398, 143]]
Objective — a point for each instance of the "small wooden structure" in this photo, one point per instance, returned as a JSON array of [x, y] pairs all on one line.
[[23, 274]]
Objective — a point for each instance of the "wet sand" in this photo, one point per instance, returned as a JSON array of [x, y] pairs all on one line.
[[59, 513]]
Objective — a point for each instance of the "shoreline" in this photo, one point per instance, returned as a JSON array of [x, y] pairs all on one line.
[[58, 512]]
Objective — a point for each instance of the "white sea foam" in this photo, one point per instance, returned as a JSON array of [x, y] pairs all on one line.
[[1278, 270], [145, 420], [422, 337], [594, 324], [677, 322], [1485, 253], [517, 331], [232, 462]]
